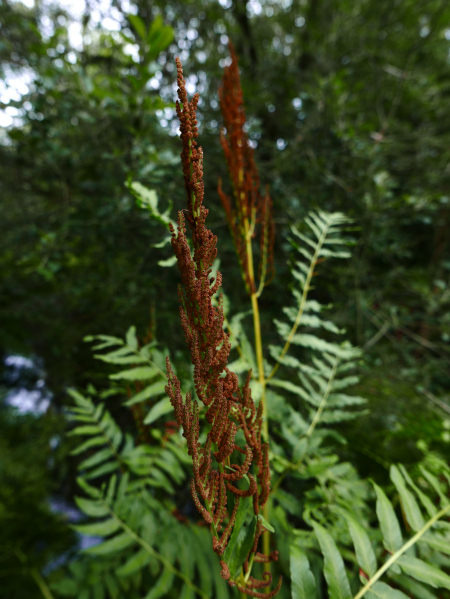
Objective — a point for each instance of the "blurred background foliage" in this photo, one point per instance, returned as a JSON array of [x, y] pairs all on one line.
[[347, 107]]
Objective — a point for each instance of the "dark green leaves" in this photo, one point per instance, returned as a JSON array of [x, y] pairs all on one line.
[[303, 584], [424, 572], [241, 539], [363, 547], [410, 506], [390, 528], [334, 568]]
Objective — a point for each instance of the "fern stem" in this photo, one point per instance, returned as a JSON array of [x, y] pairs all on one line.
[[155, 554], [161, 372], [394, 557], [261, 376], [301, 308], [324, 400], [36, 576]]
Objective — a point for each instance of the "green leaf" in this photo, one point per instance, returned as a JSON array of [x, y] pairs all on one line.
[[434, 483], [152, 390], [414, 588], [365, 555], [424, 572], [97, 458], [159, 409], [390, 528], [334, 568], [138, 25], [97, 529], [436, 542], [117, 543], [79, 399], [131, 359], [89, 489], [410, 506], [85, 430], [135, 374], [168, 262], [303, 584], [265, 523], [95, 509], [131, 338], [136, 562], [426, 501], [162, 586], [240, 538], [95, 441], [101, 470], [380, 590], [66, 587]]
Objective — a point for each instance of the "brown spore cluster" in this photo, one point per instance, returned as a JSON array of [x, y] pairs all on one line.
[[250, 209], [227, 406]]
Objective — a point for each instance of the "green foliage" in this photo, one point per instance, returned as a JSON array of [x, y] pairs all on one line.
[[323, 381], [418, 559], [364, 123], [133, 510]]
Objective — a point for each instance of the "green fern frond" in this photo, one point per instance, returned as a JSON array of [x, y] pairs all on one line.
[[322, 381], [412, 564]]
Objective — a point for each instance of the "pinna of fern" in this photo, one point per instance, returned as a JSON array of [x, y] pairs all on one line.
[[229, 407], [250, 208]]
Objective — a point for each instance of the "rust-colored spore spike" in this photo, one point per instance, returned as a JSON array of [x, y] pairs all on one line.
[[228, 408], [250, 209]]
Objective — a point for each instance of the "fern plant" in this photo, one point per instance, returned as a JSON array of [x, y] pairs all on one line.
[[134, 512], [252, 427], [407, 566]]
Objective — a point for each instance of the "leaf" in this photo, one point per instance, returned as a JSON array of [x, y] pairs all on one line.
[[265, 523], [436, 542], [233, 552], [162, 585], [101, 470], [410, 506], [136, 562], [380, 590], [89, 489], [390, 528], [85, 430], [152, 390], [131, 338], [414, 588], [365, 555], [426, 501], [135, 374], [434, 483], [97, 458], [334, 568], [424, 572], [66, 587], [97, 529], [138, 25], [303, 584], [87, 445], [168, 262], [159, 409], [95, 509], [244, 543], [117, 543]]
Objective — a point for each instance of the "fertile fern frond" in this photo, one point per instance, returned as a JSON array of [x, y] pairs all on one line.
[[414, 565]]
